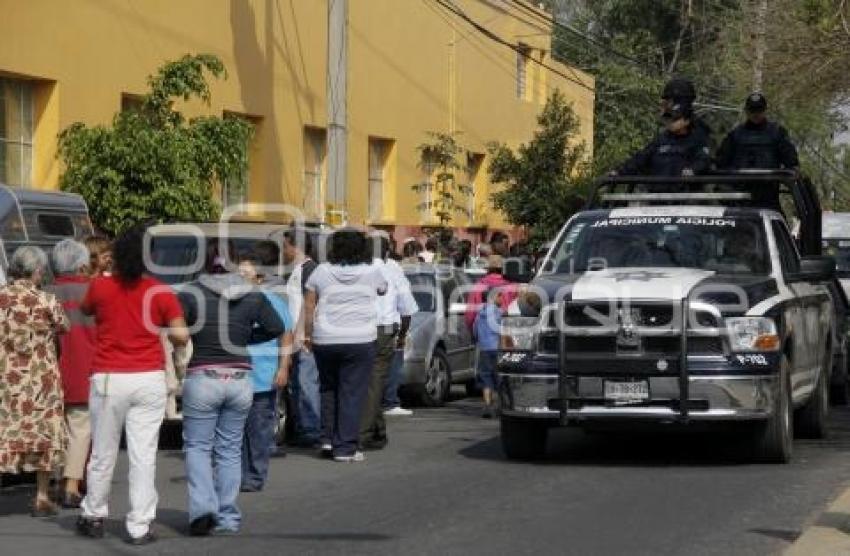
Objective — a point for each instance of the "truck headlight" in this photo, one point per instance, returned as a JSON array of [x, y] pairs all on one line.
[[752, 334], [519, 333]]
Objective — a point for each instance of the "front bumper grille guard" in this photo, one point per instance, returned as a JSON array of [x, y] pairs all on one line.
[[684, 387]]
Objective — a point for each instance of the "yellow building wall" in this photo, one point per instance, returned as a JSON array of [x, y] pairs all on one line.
[[413, 68]]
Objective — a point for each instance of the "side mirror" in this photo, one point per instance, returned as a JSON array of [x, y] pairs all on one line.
[[814, 269]]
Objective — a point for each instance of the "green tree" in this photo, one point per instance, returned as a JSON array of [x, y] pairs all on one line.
[[153, 163], [543, 179], [443, 160]]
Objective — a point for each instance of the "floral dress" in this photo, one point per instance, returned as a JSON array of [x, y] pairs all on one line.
[[32, 428]]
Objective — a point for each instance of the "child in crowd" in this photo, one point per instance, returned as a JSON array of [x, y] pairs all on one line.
[[100, 249], [486, 331]]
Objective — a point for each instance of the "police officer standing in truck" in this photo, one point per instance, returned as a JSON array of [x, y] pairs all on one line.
[[757, 143]]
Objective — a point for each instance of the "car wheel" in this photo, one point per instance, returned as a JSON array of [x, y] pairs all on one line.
[[774, 438], [438, 381], [282, 410], [524, 439], [811, 420]]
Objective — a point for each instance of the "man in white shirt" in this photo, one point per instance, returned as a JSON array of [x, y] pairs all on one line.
[[394, 311], [305, 380]]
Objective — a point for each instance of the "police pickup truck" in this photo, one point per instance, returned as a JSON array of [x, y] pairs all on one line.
[[674, 308]]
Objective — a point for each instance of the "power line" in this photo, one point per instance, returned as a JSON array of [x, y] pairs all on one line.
[[496, 38]]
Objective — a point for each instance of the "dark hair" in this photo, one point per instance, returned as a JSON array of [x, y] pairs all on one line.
[[349, 247], [498, 237], [411, 249], [292, 236], [386, 246], [266, 253], [432, 244], [128, 254]]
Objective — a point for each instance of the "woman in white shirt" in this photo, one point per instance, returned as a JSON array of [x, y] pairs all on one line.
[[340, 326]]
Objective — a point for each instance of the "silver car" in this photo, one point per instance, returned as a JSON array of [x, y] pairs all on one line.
[[440, 350]]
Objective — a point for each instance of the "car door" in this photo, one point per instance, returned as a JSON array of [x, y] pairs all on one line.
[[454, 333], [803, 314], [466, 345]]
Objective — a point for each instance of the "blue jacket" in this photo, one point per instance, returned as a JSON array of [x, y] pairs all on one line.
[[486, 329]]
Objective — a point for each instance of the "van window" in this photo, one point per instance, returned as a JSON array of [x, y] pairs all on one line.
[[55, 225]]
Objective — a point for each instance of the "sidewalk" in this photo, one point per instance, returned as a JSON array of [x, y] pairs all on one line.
[[830, 533]]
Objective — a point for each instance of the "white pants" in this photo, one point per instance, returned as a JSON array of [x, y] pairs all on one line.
[[135, 402]]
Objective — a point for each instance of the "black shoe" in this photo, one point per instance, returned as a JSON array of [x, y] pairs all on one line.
[[487, 413], [250, 488], [374, 444], [90, 527], [201, 526], [71, 500], [326, 451], [147, 538]]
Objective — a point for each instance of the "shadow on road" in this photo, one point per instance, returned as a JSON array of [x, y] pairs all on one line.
[[658, 445]]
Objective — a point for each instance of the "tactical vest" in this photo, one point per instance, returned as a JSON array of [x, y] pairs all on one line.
[[756, 148]]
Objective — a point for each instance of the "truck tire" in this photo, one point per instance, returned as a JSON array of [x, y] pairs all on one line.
[[438, 381], [774, 438], [524, 439], [811, 420]]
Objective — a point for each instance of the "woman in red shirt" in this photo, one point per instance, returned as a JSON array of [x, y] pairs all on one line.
[[77, 345], [128, 389]]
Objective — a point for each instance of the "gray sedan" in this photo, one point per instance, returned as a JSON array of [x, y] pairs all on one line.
[[440, 351]]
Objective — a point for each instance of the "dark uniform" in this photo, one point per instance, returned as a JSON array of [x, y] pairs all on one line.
[[670, 155], [757, 144], [763, 146]]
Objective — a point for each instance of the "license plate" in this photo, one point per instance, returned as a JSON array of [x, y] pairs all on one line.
[[627, 391]]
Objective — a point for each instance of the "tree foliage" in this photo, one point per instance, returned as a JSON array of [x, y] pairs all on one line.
[[153, 163], [444, 162], [543, 178]]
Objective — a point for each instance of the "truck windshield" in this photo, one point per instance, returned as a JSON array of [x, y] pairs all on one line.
[[725, 245], [840, 249]]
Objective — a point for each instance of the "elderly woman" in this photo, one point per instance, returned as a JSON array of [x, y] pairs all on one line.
[[32, 431], [341, 328], [76, 351]]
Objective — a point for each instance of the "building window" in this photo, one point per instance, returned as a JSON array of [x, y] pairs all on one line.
[[379, 155], [235, 189], [131, 102], [16, 131], [523, 62], [315, 172], [475, 180]]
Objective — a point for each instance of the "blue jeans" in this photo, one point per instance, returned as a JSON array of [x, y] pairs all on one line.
[[258, 441], [305, 390], [487, 376], [344, 370], [214, 414], [393, 381]]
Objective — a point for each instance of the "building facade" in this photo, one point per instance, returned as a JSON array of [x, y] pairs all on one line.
[[414, 66]]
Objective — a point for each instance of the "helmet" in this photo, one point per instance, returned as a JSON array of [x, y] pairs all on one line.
[[756, 102], [679, 89]]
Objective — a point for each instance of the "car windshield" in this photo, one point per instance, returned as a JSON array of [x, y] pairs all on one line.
[[840, 250], [174, 252], [722, 244], [423, 287]]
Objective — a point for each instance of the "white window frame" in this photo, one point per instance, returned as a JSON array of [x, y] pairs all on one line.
[[27, 105]]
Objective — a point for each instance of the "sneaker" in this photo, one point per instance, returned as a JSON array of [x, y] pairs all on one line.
[[201, 526], [326, 451], [398, 411], [487, 413], [354, 458], [224, 532], [90, 527], [147, 538], [374, 444]]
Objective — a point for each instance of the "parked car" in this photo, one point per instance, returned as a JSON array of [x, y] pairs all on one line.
[[40, 218], [836, 243], [440, 351]]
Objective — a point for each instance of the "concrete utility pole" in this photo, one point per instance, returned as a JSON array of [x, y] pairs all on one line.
[[337, 113], [761, 45]]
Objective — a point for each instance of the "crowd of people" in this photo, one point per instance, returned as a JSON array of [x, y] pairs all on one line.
[[83, 344]]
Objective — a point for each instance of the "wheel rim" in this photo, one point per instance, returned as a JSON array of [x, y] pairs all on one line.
[[437, 378]]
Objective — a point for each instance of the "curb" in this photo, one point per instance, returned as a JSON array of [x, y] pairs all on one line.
[[829, 534]]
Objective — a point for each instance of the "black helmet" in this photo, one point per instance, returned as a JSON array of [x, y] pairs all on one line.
[[755, 103], [679, 89]]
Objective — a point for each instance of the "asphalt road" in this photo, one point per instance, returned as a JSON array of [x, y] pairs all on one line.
[[443, 487]]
